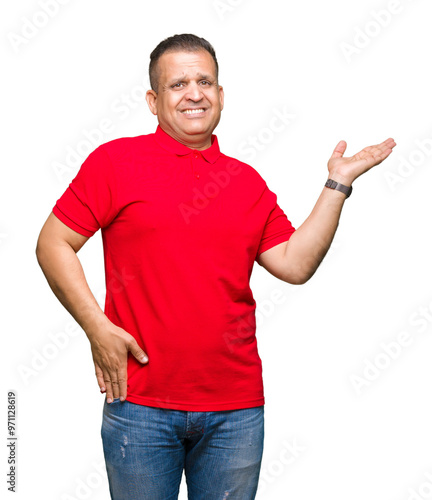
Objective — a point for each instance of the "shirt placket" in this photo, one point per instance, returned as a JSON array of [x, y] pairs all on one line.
[[196, 164]]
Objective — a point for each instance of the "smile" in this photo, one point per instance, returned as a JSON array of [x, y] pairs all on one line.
[[193, 111]]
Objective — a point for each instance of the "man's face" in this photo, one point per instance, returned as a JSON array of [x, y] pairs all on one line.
[[189, 101]]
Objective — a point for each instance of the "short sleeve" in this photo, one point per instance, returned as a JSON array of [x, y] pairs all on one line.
[[89, 202], [277, 228]]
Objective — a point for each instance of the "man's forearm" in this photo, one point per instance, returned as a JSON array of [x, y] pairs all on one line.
[[309, 244], [307, 247]]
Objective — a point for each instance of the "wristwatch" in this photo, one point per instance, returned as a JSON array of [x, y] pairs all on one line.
[[339, 187]]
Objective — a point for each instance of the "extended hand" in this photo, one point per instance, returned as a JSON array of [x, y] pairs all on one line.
[[110, 351], [346, 170]]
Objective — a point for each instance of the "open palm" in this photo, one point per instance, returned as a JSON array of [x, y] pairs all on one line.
[[349, 168]]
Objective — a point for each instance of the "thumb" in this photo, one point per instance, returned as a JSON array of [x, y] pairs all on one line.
[[339, 150], [137, 352]]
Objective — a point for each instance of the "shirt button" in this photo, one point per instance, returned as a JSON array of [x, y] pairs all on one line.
[[195, 155], [197, 175]]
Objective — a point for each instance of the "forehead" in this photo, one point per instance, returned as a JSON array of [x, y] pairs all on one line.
[[175, 63]]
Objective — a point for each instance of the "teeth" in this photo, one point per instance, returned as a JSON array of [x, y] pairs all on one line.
[[193, 111]]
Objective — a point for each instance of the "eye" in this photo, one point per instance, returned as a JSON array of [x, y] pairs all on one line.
[[177, 85], [205, 82]]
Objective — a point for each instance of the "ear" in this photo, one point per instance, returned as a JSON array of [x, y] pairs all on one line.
[[151, 98], [221, 96]]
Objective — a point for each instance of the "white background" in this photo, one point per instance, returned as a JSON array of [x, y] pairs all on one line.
[[342, 74]]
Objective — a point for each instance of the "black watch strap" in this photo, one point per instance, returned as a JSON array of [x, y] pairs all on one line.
[[339, 187]]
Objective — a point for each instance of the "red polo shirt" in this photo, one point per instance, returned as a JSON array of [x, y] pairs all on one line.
[[181, 230]]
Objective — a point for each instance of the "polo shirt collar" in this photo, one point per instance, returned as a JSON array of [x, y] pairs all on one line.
[[167, 142]]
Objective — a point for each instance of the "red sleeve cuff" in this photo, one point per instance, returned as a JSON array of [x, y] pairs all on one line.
[[280, 238], [78, 227]]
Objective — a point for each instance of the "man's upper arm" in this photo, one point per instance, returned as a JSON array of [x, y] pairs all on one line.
[[274, 262], [56, 231]]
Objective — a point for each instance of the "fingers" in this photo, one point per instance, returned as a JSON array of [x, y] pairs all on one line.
[[116, 381], [389, 142], [376, 154], [385, 147], [112, 386], [112, 381], [108, 382], [100, 377], [122, 384]]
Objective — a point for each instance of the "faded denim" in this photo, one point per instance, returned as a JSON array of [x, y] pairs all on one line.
[[147, 448]]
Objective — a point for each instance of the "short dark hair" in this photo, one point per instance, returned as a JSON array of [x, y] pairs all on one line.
[[185, 42]]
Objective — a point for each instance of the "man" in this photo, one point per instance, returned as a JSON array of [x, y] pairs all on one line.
[[182, 225]]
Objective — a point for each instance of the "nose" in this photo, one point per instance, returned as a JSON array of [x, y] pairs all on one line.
[[194, 92]]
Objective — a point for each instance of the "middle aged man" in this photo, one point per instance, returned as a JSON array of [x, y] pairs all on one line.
[[182, 226]]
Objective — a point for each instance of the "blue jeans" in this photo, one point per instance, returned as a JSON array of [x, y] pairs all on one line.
[[147, 448]]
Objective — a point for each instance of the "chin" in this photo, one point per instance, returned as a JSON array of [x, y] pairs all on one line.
[[196, 130]]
